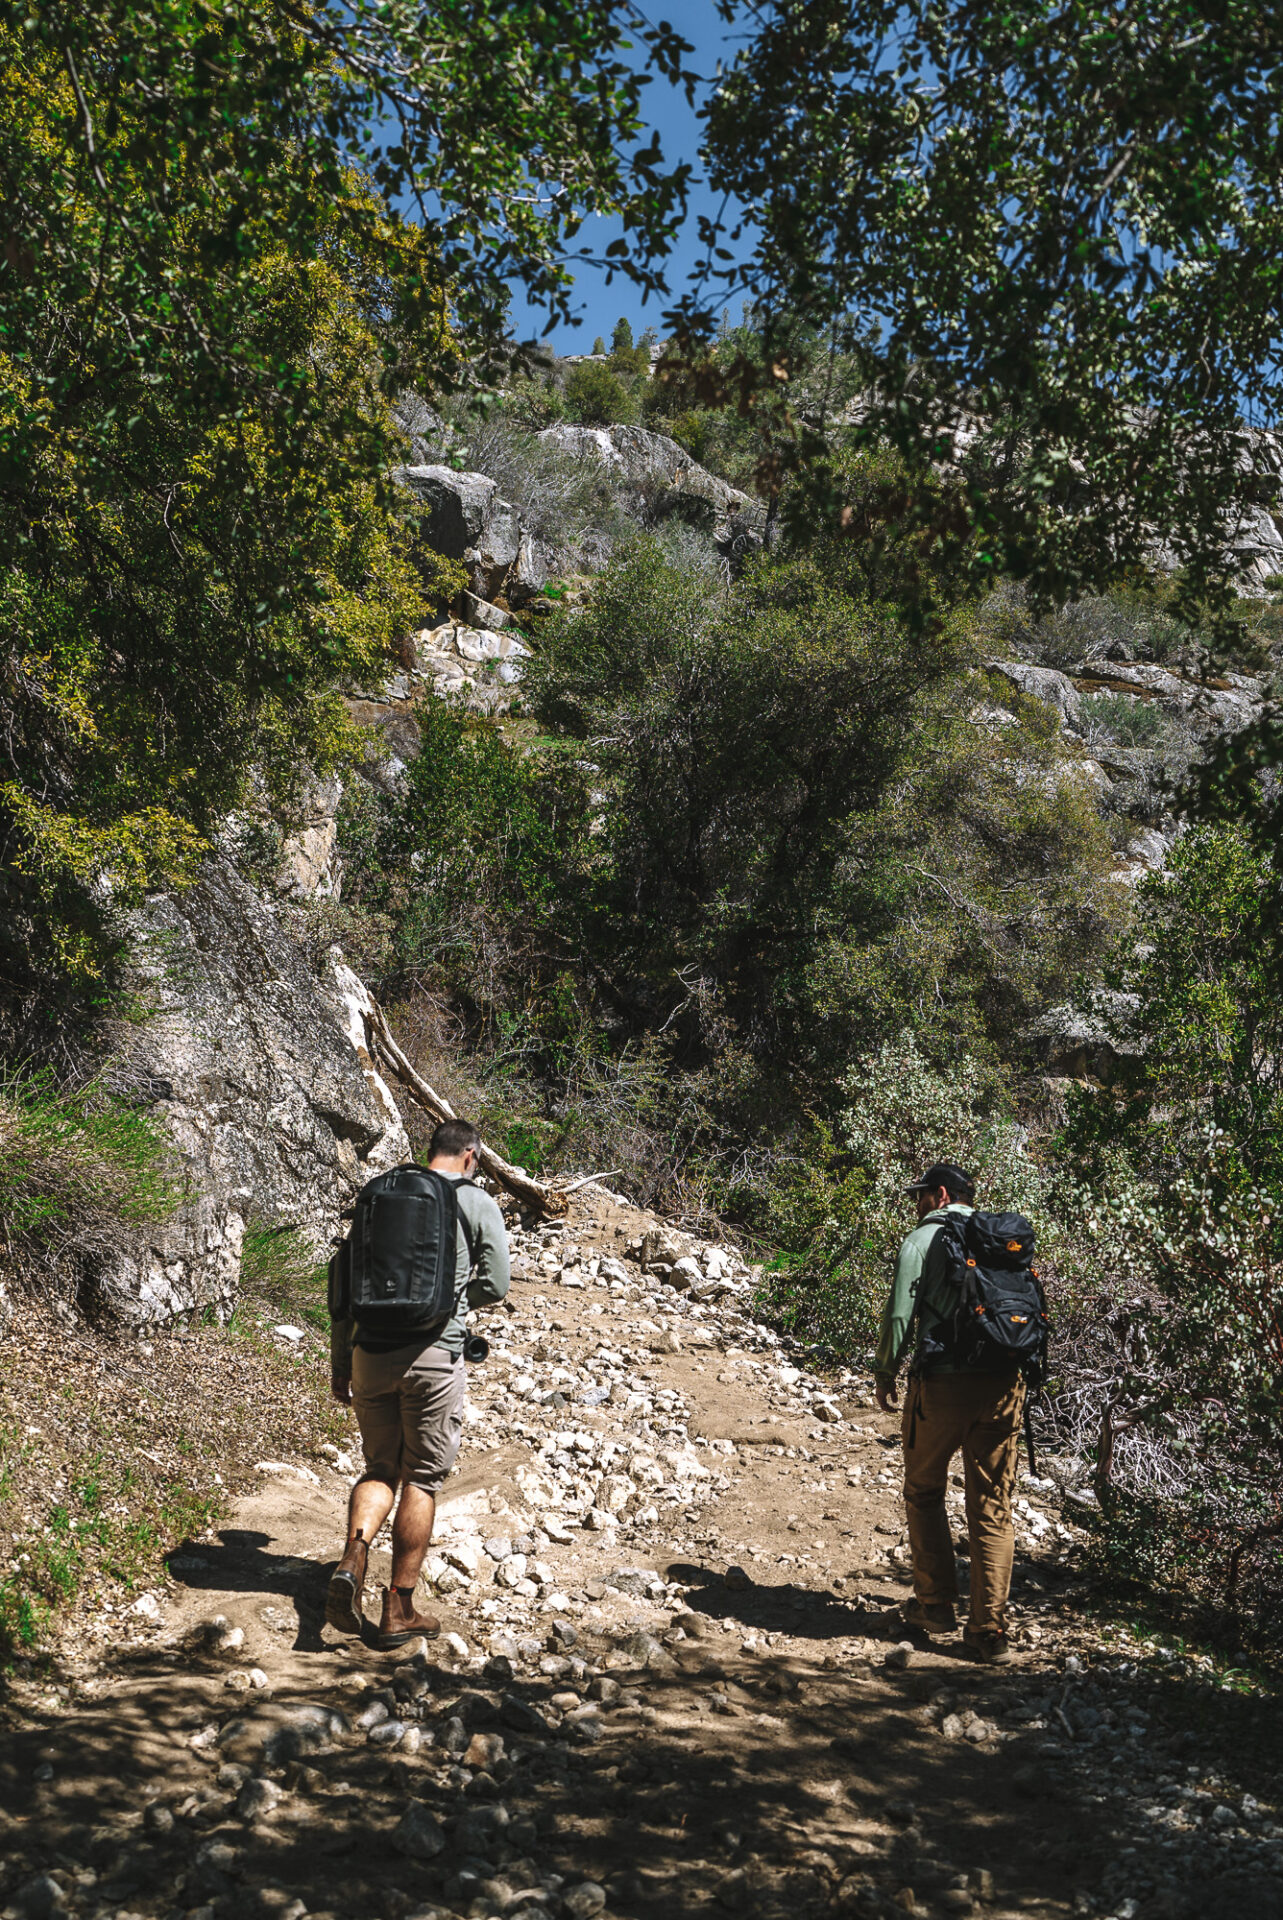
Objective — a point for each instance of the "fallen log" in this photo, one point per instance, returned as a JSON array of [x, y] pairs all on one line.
[[532, 1194]]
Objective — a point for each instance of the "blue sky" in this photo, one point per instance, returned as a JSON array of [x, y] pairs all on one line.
[[667, 112]]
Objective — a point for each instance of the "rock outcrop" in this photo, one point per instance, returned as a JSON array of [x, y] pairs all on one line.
[[310, 867], [261, 1077], [1098, 1042], [653, 462], [465, 519]]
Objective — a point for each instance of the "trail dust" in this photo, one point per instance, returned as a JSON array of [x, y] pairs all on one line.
[[667, 1679]]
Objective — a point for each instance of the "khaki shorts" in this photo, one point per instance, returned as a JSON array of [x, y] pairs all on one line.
[[409, 1406]]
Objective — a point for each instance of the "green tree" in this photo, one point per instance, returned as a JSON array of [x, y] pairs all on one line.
[[598, 345], [1049, 238], [204, 310], [800, 814]]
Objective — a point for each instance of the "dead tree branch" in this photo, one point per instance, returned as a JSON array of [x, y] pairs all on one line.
[[531, 1193]]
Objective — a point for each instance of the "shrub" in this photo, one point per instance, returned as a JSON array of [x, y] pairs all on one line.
[[81, 1172], [562, 500], [842, 1215], [279, 1267], [596, 397], [1121, 717], [1186, 1168]]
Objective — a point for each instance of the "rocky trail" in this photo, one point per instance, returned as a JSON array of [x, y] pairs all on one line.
[[666, 1680]]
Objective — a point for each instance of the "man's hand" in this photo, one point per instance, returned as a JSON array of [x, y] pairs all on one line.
[[341, 1388], [884, 1393]]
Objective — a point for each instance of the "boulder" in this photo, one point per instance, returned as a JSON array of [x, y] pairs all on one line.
[[1045, 684], [455, 505], [533, 568], [261, 1076], [465, 519], [1220, 704], [484, 613], [490, 558], [186, 1263]]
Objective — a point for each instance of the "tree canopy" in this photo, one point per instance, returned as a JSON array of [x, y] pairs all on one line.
[[234, 233], [1049, 235]]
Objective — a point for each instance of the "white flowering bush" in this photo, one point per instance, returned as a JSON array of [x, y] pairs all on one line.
[[850, 1211]]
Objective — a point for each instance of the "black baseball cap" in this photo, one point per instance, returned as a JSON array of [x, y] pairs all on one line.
[[942, 1173]]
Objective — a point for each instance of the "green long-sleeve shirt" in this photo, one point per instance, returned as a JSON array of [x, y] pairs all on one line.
[[919, 1286], [482, 1276]]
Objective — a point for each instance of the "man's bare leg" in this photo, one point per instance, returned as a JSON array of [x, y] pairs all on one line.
[[368, 1508], [411, 1535], [411, 1531]]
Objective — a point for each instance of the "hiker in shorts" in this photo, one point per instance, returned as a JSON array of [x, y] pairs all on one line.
[[408, 1395], [947, 1409]]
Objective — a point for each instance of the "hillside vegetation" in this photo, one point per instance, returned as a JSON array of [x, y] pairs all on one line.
[[750, 763]]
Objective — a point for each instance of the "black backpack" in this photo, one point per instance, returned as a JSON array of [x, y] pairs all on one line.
[[396, 1271], [1001, 1315]]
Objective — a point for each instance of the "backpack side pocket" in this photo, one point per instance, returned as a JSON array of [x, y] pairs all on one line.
[[339, 1282]]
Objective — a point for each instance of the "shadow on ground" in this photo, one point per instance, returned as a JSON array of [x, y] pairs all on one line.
[[767, 1787]]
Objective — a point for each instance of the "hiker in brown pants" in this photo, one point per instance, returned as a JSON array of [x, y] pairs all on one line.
[[949, 1410]]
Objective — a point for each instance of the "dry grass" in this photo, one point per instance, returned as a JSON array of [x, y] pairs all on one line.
[[82, 1172], [112, 1450]]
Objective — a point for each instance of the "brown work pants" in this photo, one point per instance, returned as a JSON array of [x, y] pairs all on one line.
[[979, 1413]]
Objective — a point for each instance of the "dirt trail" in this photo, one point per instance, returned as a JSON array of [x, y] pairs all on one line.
[[663, 1684]]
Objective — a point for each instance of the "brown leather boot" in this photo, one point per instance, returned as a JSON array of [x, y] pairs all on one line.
[[347, 1585], [399, 1621]]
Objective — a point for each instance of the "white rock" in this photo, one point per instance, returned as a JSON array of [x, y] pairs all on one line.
[[290, 1333], [614, 1493], [286, 1467], [537, 1487]]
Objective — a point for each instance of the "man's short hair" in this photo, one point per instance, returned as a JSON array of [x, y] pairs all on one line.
[[452, 1138]]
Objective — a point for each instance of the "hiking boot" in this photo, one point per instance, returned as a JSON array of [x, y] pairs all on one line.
[[990, 1649], [399, 1622], [347, 1585], [927, 1618]]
